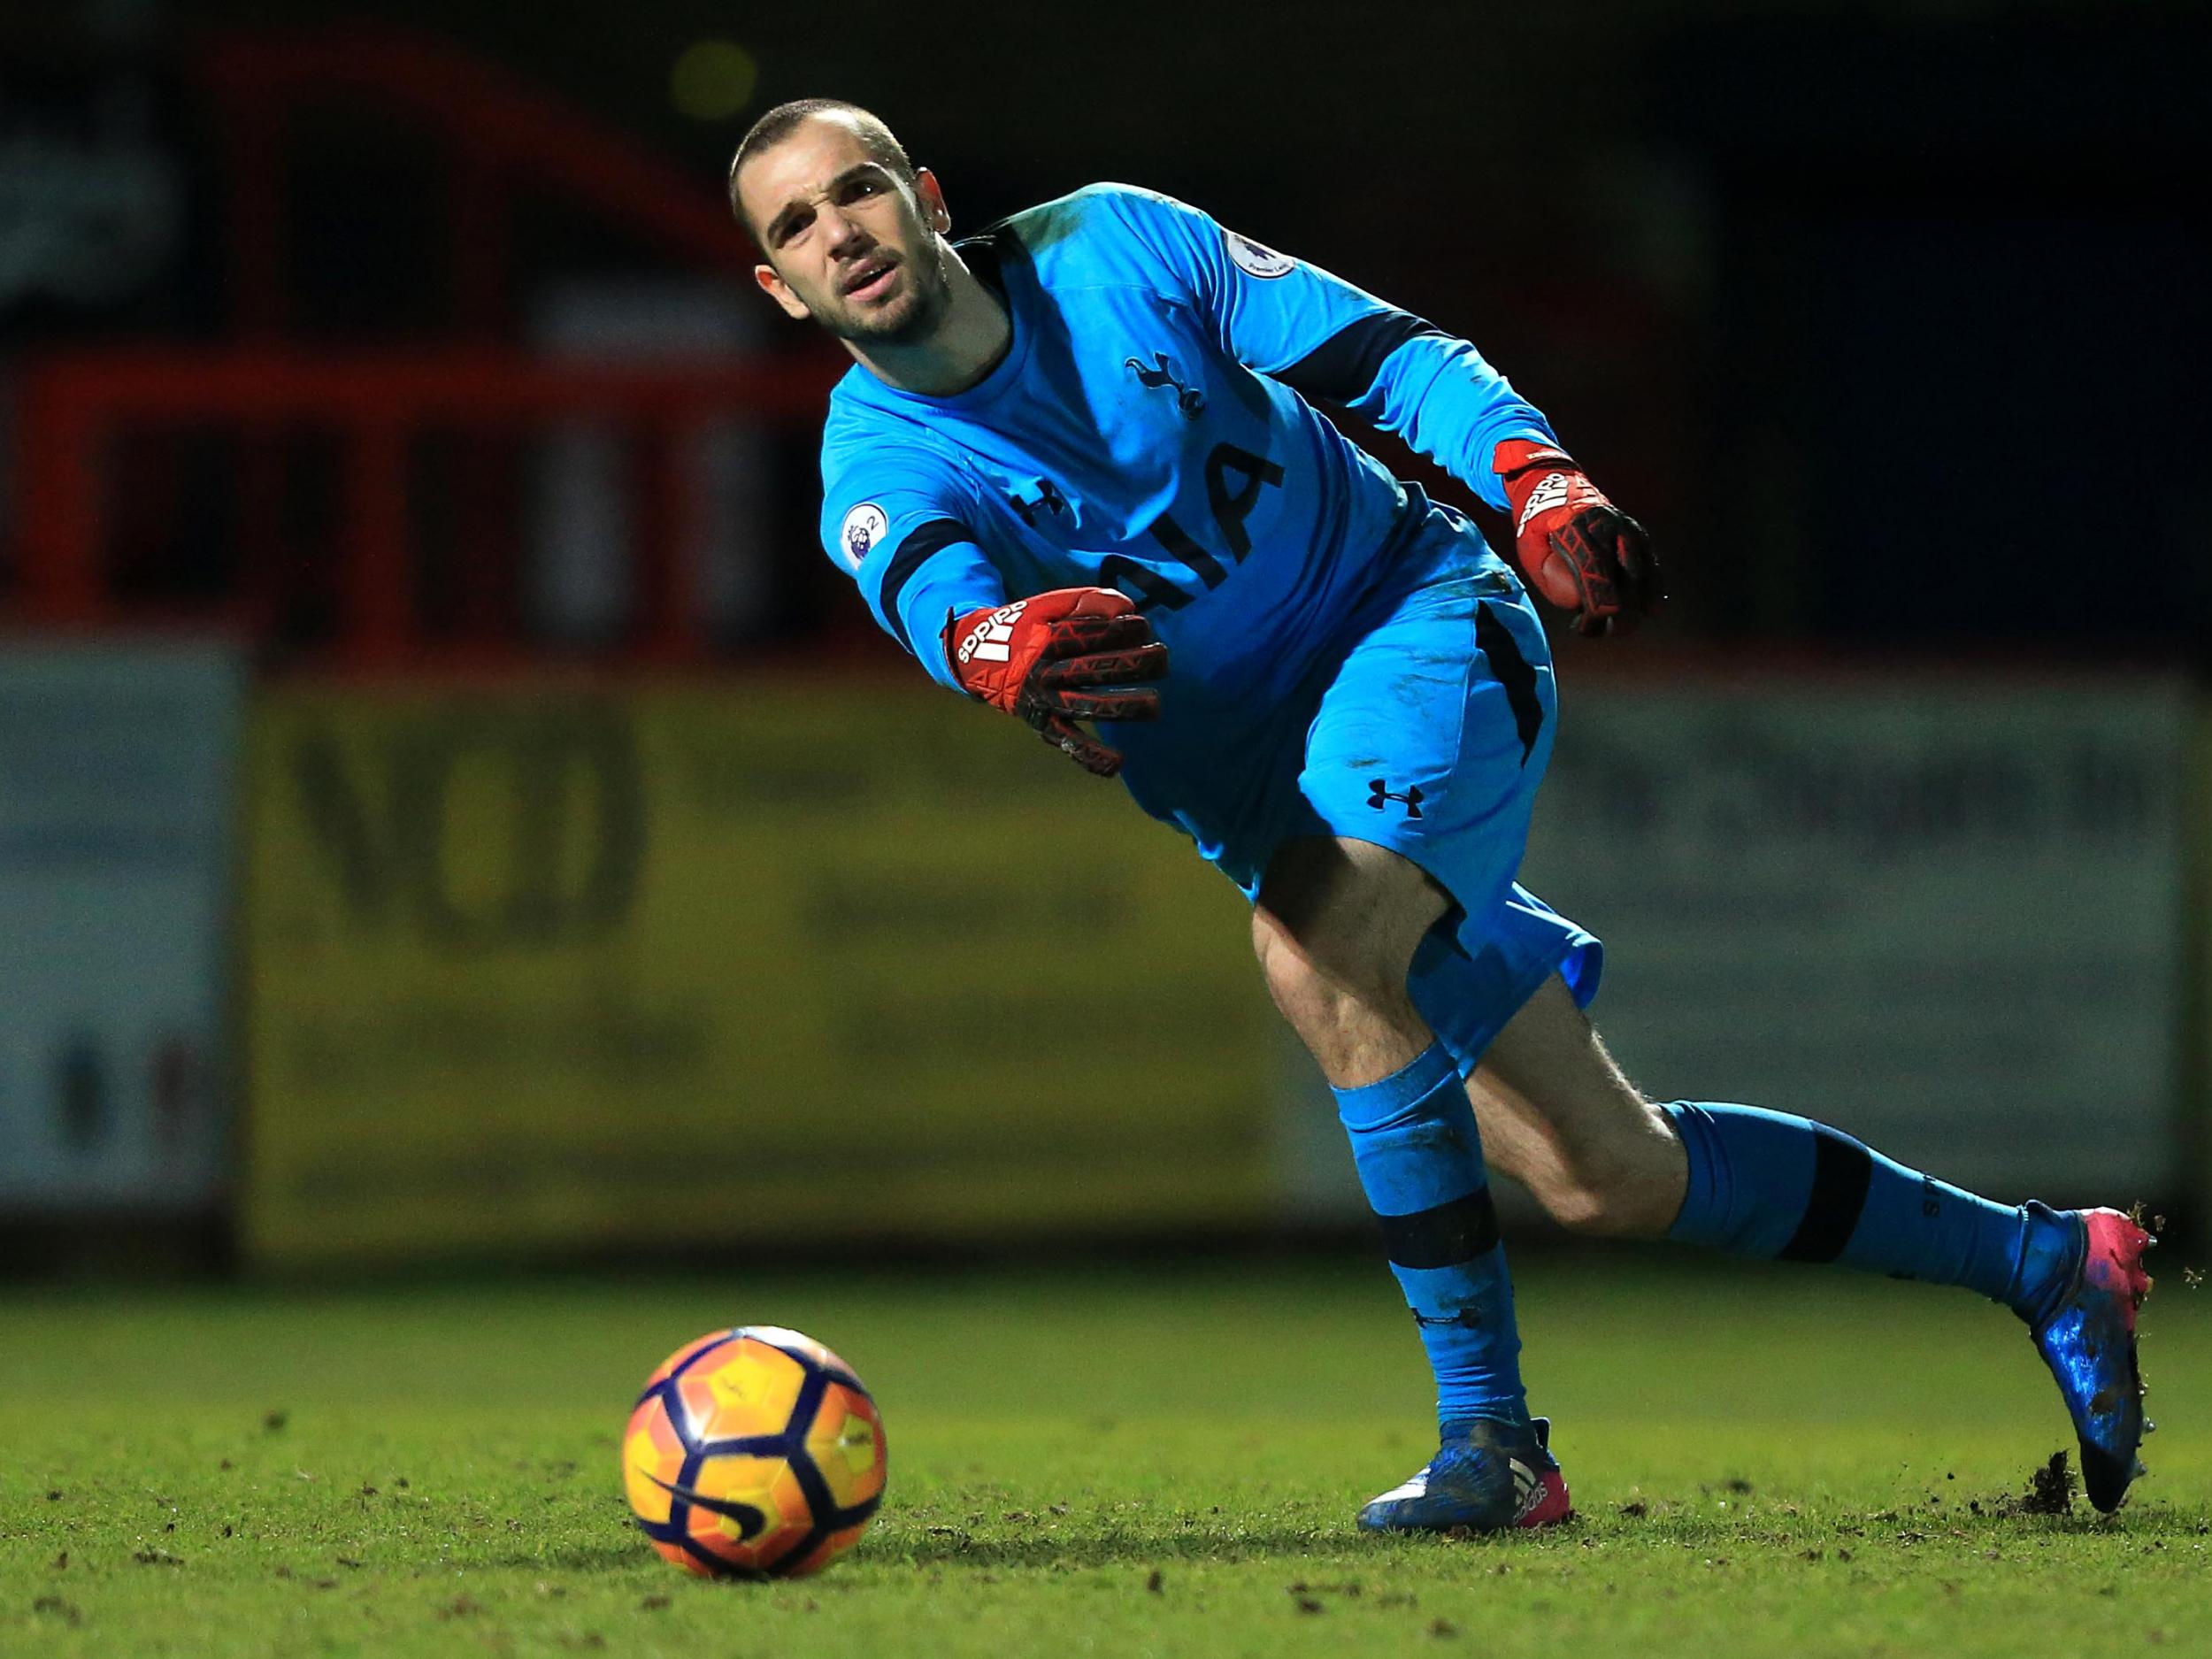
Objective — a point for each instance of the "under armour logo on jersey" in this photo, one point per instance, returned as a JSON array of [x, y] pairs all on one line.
[[1191, 401], [1048, 499], [1382, 791], [1550, 491]]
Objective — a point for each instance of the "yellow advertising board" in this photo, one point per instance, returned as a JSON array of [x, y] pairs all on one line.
[[542, 970]]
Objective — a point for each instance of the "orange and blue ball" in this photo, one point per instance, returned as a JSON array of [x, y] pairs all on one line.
[[754, 1453]]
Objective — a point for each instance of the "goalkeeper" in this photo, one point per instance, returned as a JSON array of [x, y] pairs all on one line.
[[1077, 470]]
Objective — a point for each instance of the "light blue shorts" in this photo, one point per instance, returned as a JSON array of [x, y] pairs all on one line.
[[1428, 736]]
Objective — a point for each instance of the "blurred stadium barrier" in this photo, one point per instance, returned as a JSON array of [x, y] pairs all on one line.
[[550, 971], [377, 406], [117, 834], [353, 463], [544, 966]]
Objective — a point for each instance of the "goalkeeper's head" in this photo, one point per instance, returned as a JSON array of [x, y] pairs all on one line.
[[851, 229]]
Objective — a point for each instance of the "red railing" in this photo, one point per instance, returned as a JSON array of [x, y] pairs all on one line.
[[500, 135], [80, 417], [72, 409]]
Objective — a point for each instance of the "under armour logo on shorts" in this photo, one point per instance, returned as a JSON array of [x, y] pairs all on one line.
[[1382, 791]]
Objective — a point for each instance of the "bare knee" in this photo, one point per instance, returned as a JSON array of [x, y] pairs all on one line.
[[1596, 1199], [1334, 930], [1345, 1013]]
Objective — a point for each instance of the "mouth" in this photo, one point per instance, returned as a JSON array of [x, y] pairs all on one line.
[[871, 280]]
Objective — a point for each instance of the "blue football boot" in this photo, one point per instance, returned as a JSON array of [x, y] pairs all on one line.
[[2089, 1343], [1487, 1476]]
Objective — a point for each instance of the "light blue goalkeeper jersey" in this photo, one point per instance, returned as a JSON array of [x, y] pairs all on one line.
[[1152, 428]]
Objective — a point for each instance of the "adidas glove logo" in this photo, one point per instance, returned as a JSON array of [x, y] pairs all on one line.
[[987, 641], [1550, 492]]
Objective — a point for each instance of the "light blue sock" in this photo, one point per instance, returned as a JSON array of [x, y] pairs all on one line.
[[1420, 1161], [1767, 1184]]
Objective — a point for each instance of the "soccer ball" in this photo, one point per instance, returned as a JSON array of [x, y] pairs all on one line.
[[754, 1453]]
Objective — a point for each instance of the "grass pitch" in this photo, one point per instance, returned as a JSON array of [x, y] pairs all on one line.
[[1116, 1463]]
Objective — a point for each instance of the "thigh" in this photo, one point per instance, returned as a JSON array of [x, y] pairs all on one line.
[[1430, 737], [1336, 928], [1353, 910]]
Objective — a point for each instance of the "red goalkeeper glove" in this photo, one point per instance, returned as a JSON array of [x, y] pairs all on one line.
[[1575, 548], [1073, 654]]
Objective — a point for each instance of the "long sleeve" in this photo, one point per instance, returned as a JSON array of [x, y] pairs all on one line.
[[1334, 344], [900, 530]]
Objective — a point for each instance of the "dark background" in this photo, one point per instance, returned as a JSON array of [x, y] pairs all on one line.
[[1888, 320]]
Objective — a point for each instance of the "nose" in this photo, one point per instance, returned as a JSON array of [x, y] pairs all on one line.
[[839, 232]]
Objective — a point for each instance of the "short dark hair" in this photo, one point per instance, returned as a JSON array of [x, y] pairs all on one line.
[[780, 122]]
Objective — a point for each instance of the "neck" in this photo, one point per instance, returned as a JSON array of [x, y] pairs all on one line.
[[966, 344]]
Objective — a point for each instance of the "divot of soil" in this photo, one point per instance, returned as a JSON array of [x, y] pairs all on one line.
[[2050, 1488]]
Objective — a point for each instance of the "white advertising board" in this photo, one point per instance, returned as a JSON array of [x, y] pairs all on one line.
[[1945, 914], [117, 771]]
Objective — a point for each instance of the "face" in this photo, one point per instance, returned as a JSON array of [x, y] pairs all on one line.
[[848, 244]]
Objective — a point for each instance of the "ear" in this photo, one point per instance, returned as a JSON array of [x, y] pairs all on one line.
[[934, 213], [779, 291]]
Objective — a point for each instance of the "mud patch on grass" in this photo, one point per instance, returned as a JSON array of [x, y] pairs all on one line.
[[2050, 1489]]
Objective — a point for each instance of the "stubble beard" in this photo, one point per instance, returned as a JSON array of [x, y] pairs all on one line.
[[918, 312]]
